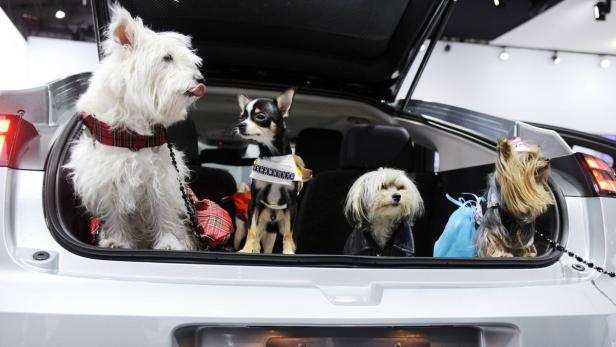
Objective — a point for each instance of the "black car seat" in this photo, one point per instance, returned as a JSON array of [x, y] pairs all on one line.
[[207, 183], [320, 227], [226, 156], [319, 148]]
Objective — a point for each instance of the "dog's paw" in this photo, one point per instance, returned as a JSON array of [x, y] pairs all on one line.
[[169, 242], [250, 249], [108, 243], [503, 255], [288, 246], [171, 247]]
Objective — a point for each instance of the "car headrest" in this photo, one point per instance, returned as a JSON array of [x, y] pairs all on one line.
[[184, 136], [226, 156], [368, 147], [319, 148]]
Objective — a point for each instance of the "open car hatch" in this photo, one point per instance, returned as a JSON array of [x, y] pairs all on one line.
[[361, 47]]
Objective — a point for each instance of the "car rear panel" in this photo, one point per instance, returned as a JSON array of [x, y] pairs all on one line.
[[607, 218], [65, 299], [70, 300], [45, 109]]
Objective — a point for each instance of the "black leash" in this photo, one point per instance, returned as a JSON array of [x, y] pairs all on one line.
[[190, 207], [560, 248], [553, 244], [190, 210]]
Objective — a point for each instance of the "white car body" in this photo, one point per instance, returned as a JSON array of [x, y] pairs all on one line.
[[73, 300], [56, 292]]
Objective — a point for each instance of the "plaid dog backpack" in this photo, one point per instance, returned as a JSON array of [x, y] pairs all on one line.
[[213, 221], [214, 226]]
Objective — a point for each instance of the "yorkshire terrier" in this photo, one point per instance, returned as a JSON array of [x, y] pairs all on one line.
[[381, 206], [273, 206], [517, 195]]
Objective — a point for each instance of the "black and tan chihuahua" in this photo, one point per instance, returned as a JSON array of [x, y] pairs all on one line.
[[273, 206]]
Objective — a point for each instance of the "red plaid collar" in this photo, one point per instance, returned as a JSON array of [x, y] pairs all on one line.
[[126, 138]]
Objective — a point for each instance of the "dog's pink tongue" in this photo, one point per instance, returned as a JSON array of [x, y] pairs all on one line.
[[199, 90]]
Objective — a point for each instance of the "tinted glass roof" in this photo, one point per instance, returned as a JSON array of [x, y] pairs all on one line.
[[358, 46], [354, 28]]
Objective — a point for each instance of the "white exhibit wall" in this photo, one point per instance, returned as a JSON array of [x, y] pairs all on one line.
[[13, 57], [576, 93], [568, 25], [50, 59], [25, 64]]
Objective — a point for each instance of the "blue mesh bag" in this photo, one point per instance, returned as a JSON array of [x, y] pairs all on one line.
[[458, 238]]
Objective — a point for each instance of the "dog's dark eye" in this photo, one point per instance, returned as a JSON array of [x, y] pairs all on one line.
[[400, 187], [260, 117], [383, 186], [168, 58]]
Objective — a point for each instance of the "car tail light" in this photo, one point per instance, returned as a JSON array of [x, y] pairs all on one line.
[[15, 135], [603, 176], [5, 125]]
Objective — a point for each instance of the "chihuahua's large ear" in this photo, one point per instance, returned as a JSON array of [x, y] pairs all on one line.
[[284, 101], [243, 100], [123, 28]]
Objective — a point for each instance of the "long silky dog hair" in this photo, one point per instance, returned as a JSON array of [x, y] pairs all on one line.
[[369, 202], [517, 195]]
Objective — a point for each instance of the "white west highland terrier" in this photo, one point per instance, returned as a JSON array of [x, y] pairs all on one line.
[[145, 82]]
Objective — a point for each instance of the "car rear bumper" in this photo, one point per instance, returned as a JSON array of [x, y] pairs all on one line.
[[75, 301], [53, 310]]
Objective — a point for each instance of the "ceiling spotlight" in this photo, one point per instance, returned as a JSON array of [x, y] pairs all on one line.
[[60, 14], [447, 47], [555, 58], [605, 62], [504, 55], [422, 47], [28, 16], [499, 3], [601, 9]]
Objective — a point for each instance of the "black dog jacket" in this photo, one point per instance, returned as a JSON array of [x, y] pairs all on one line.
[[401, 243]]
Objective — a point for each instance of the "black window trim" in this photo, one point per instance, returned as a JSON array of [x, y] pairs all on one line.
[[61, 234]]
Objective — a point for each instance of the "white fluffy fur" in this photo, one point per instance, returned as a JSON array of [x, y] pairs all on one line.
[[370, 202], [137, 193]]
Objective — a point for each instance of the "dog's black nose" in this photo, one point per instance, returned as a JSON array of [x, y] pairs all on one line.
[[241, 127], [396, 197], [200, 80]]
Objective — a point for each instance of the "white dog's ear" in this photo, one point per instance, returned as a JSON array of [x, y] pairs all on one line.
[[355, 209], [284, 101], [416, 205], [123, 28], [243, 100]]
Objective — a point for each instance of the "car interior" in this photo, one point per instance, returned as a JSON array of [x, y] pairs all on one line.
[[339, 140]]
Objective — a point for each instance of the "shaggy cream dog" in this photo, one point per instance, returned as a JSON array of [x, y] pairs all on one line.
[[145, 79], [381, 206]]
